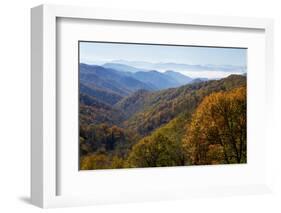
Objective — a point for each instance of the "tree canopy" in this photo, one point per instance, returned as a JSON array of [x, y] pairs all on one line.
[[195, 124], [217, 132], [154, 151]]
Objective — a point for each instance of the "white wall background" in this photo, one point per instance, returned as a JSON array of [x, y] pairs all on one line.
[[15, 104]]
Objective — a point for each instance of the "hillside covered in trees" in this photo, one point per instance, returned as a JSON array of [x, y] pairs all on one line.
[[133, 119]]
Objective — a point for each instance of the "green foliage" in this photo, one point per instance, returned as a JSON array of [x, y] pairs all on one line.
[[176, 128], [156, 150]]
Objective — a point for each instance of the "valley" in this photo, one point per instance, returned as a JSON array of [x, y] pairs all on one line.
[[131, 117]]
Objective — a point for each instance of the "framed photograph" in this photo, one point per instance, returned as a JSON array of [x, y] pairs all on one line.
[[129, 106]]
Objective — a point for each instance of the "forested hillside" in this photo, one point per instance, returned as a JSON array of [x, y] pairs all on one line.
[[158, 108], [126, 121]]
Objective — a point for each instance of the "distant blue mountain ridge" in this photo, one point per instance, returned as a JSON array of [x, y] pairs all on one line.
[[160, 80], [122, 67], [180, 66], [112, 82]]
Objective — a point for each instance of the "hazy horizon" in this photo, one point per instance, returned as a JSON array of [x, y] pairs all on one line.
[[195, 62]]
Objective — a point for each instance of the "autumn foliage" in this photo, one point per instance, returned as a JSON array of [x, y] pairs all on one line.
[[199, 124], [217, 132]]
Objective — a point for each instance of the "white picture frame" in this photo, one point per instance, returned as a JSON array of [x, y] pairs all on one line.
[[44, 155]]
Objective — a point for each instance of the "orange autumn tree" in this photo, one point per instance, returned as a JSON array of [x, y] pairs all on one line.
[[217, 132]]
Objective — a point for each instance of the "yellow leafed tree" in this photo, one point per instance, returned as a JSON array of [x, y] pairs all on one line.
[[218, 130]]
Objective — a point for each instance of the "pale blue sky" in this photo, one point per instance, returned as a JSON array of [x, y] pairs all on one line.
[[92, 51]]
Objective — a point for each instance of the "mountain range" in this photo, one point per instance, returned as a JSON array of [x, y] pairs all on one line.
[[112, 82], [121, 107], [179, 66], [146, 111]]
